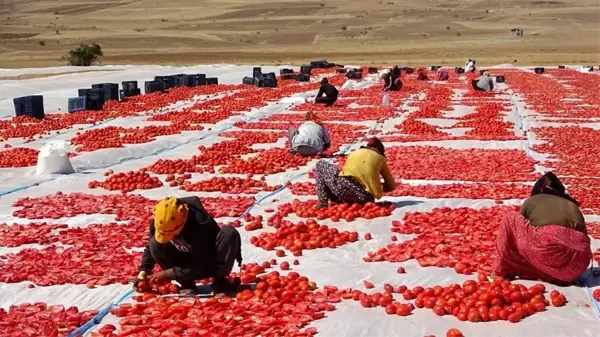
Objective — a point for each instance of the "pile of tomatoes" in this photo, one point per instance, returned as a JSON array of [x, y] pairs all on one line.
[[267, 162], [40, 319], [82, 263], [463, 239], [496, 191], [17, 235], [437, 163], [127, 182], [229, 185], [303, 235], [308, 209], [18, 157], [280, 305]]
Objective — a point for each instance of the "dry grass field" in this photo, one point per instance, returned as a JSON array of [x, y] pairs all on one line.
[[35, 33]]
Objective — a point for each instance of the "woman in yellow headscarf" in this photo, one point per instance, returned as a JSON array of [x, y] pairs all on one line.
[[187, 243]]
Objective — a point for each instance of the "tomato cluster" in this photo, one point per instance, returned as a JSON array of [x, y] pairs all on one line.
[[82, 263], [18, 157], [40, 319], [16, 235], [303, 235], [267, 162], [253, 137], [229, 185], [280, 305], [463, 239], [127, 182], [436, 163], [483, 301], [308, 209]]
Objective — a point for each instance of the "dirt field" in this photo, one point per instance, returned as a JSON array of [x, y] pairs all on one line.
[[39, 33]]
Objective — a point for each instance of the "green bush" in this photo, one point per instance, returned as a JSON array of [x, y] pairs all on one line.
[[85, 55]]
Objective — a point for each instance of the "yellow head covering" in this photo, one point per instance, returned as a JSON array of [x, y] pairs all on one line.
[[169, 218]]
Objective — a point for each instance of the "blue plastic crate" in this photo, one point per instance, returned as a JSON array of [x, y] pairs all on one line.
[[77, 104]]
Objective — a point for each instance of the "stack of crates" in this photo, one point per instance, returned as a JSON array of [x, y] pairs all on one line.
[[94, 98], [77, 104], [32, 106], [212, 81], [154, 86], [111, 90], [201, 79], [286, 74], [168, 81], [130, 88]]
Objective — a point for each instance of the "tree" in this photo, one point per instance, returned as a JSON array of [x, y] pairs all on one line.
[[85, 55]]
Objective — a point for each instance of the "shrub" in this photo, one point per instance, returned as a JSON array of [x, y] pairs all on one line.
[[42, 43], [85, 55], [344, 28]]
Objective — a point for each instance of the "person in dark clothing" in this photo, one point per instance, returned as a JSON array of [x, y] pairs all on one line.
[[187, 243], [391, 80], [331, 93], [422, 75]]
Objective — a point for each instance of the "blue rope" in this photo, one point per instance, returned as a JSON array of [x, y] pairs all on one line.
[[99, 317]]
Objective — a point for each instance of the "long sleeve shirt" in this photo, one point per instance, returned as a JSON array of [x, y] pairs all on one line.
[[197, 240], [369, 167], [485, 83], [327, 89], [547, 209], [311, 135]]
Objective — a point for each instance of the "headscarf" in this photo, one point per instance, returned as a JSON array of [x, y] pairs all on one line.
[[486, 73], [311, 116], [375, 145], [550, 184], [169, 217]]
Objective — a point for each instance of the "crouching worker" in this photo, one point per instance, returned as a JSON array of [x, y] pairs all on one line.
[[188, 245], [548, 240], [443, 74], [422, 75], [484, 83], [309, 138], [391, 80], [331, 93], [360, 178]]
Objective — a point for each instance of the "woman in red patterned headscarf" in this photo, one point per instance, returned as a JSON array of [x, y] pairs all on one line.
[[548, 240]]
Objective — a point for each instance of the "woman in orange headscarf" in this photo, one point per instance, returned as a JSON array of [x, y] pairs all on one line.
[[187, 243]]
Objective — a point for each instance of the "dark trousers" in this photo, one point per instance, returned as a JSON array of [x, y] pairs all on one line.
[[228, 247], [328, 101]]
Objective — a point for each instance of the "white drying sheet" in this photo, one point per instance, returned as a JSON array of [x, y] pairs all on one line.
[[342, 267]]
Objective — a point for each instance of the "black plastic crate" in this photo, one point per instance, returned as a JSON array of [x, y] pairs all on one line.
[[83, 92], [319, 64], [459, 70], [212, 80], [168, 81], [285, 71], [305, 70], [539, 70], [302, 77], [248, 80], [341, 70], [129, 85], [77, 104], [561, 67], [95, 103], [287, 77], [110, 90], [129, 93], [154, 86], [270, 82], [187, 81], [201, 79], [256, 71], [500, 79], [30, 106], [372, 70], [354, 75]]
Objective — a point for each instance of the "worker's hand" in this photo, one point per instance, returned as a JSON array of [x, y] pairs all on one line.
[[136, 282], [162, 276]]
